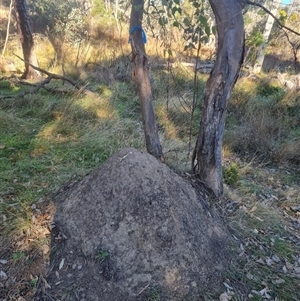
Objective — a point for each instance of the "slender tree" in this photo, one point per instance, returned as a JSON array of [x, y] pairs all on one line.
[[269, 25], [207, 156], [24, 28], [7, 29], [142, 79]]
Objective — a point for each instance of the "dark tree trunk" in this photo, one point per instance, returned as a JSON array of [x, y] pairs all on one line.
[[25, 33], [207, 157], [141, 77]]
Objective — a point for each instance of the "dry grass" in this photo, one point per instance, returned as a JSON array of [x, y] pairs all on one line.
[[48, 141]]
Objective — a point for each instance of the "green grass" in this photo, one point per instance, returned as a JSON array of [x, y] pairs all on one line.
[[48, 139], [41, 148]]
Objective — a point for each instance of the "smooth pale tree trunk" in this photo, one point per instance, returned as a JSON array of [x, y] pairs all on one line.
[[262, 48], [7, 29], [25, 33], [207, 156], [142, 79]]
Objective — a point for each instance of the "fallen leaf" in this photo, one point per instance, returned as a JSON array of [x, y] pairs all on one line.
[[278, 281], [297, 270], [275, 258], [269, 261], [274, 197], [61, 264], [225, 297], [259, 219], [228, 286], [295, 208], [284, 269], [264, 292], [260, 261], [3, 276], [47, 285], [289, 266], [254, 208]]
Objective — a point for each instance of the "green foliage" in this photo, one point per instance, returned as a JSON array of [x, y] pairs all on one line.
[[231, 174], [18, 256], [283, 15], [153, 295], [64, 19], [263, 121], [255, 39], [101, 255], [33, 282], [50, 13], [8, 88], [99, 9], [269, 90], [193, 18]]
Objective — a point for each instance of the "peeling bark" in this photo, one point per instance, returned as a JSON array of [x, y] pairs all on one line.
[[207, 156], [142, 79]]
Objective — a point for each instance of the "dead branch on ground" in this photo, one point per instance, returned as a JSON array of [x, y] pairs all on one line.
[[47, 80]]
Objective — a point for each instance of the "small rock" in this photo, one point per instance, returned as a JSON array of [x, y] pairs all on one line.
[[194, 284], [275, 258], [269, 261], [3, 261], [278, 281], [260, 261], [284, 269], [3, 276], [289, 266], [45, 249], [79, 267], [297, 270]]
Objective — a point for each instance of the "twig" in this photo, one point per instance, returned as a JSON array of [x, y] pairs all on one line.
[[46, 81], [143, 289], [52, 75], [275, 18]]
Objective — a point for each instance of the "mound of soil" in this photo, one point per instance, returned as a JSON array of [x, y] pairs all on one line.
[[134, 230]]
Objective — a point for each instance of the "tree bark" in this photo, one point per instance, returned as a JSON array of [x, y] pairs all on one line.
[[262, 48], [142, 79], [24, 28], [7, 29], [207, 156]]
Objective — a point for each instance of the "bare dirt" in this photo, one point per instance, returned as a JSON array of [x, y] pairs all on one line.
[[135, 230]]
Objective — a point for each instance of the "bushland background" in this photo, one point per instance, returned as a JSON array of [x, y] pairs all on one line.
[[54, 136]]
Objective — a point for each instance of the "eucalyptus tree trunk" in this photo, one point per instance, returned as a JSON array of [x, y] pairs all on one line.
[[262, 48], [24, 28], [142, 79], [7, 28], [207, 156]]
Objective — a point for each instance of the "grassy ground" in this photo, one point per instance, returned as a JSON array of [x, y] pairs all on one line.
[[50, 140]]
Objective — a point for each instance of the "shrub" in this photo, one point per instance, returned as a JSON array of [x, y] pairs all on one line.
[[231, 174]]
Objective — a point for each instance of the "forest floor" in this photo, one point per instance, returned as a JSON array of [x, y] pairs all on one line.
[[264, 222], [51, 139]]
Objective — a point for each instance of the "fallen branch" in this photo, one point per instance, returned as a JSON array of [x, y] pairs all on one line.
[[52, 75], [46, 81]]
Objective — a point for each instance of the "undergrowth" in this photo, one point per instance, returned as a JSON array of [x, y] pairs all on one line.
[[48, 139]]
